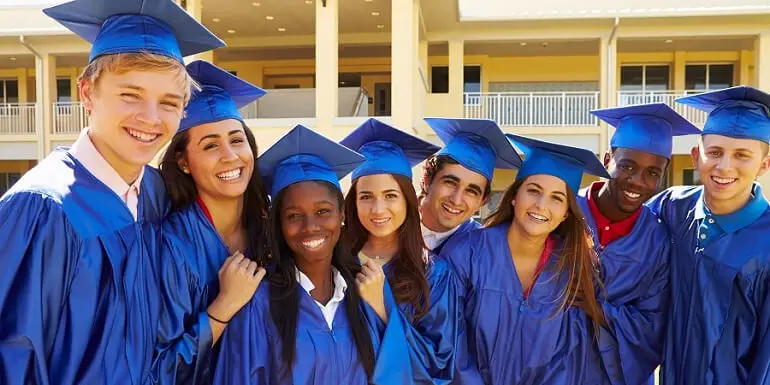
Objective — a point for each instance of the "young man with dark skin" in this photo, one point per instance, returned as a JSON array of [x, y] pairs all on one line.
[[458, 179], [629, 239]]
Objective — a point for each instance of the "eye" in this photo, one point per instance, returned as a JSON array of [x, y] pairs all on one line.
[[323, 211], [654, 174], [129, 96], [209, 146], [391, 196], [237, 141], [449, 182], [364, 197], [292, 216], [627, 167], [533, 191], [473, 192], [714, 154], [558, 198], [742, 156], [170, 104]]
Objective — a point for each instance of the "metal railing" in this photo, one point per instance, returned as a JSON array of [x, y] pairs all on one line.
[[697, 117], [69, 118], [533, 108], [17, 118]]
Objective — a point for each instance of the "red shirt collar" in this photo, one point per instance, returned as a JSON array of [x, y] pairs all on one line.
[[607, 230], [205, 210], [550, 242]]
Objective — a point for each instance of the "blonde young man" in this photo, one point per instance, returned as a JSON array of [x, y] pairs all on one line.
[[79, 300]]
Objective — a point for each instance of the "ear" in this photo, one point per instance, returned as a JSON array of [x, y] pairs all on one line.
[[695, 156], [182, 163], [86, 93], [607, 158], [763, 167]]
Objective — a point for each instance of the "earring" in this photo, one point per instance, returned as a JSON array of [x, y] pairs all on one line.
[[185, 170]]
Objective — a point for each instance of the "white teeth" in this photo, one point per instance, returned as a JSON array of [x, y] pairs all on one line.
[[230, 175], [451, 210], [313, 244], [143, 137], [632, 195], [537, 217], [722, 180], [380, 221]]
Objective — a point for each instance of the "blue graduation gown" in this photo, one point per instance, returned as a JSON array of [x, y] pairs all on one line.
[[191, 257], [78, 293], [465, 227], [635, 273], [508, 339], [251, 347], [719, 324], [432, 338]]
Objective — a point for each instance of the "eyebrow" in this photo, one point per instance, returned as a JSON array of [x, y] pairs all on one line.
[[541, 188], [315, 204], [137, 88], [476, 188], [215, 136]]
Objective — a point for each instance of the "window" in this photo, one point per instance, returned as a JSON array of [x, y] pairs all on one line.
[[439, 79], [349, 80], [9, 91], [702, 77], [63, 90], [286, 86], [644, 78], [7, 180], [234, 73], [690, 177]]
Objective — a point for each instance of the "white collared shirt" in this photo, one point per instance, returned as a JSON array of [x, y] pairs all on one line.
[[434, 239], [330, 309], [86, 153]]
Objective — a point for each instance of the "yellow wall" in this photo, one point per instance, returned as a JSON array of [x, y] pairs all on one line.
[[274, 81], [678, 164], [19, 166]]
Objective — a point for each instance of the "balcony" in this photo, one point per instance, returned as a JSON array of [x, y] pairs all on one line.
[[69, 118], [17, 118], [300, 103], [532, 109], [697, 117]]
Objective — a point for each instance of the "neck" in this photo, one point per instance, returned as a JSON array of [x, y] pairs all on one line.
[[226, 214], [384, 247], [606, 204], [320, 273], [523, 245], [727, 206], [128, 172]]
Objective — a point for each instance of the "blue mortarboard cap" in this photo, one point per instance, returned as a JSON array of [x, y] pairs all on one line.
[[738, 112], [303, 155], [388, 150], [220, 96], [564, 162], [477, 144], [646, 127], [120, 26]]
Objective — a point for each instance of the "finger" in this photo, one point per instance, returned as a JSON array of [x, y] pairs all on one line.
[[245, 262], [251, 268], [237, 259], [360, 278], [369, 272], [261, 272]]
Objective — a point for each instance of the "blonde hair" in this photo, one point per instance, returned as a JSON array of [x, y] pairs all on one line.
[[121, 63]]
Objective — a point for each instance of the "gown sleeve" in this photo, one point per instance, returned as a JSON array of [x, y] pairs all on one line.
[[37, 263], [636, 316], [245, 355], [760, 370], [459, 256], [183, 352]]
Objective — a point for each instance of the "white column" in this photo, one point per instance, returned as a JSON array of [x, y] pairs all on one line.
[[405, 35], [326, 63]]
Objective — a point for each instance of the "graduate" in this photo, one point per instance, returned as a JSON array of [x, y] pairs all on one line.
[[458, 179], [308, 325], [78, 293], [383, 226], [719, 322], [527, 280], [630, 239], [219, 207]]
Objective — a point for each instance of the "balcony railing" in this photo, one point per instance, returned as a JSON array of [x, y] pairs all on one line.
[[533, 108], [69, 118], [300, 103], [697, 117], [17, 118]]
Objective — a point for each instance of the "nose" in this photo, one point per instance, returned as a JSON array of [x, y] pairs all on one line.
[[724, 163], [149, 114], [636, 180], [457, 197], [228, 153], [311, 225], [378, 206]]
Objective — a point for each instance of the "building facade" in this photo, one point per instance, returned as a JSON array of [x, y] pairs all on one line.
[[536, 68]]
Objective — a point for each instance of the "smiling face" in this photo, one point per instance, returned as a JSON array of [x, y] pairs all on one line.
[[728, 168], [540, 205], [380, 204], [454, 195], [219, 159], [311, 220], [635, 177], [133, 115]]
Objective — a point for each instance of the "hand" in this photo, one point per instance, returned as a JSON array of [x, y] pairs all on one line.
[[371, 283], [239, 278]]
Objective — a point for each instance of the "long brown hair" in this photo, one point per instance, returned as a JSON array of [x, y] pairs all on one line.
[[577, 257], [407, 277], [181, 189]]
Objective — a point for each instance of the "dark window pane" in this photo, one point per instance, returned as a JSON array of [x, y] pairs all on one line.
[[349, 80], [3, 183], [234, 73], [657, 78], [720, 76], [439, 79], [472, 79], [13, 178], [631, 78], [695, 77], [11, 91], [63, 92]]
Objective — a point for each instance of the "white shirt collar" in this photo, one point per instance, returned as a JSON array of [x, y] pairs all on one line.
[[340, 286], [433, 239]]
